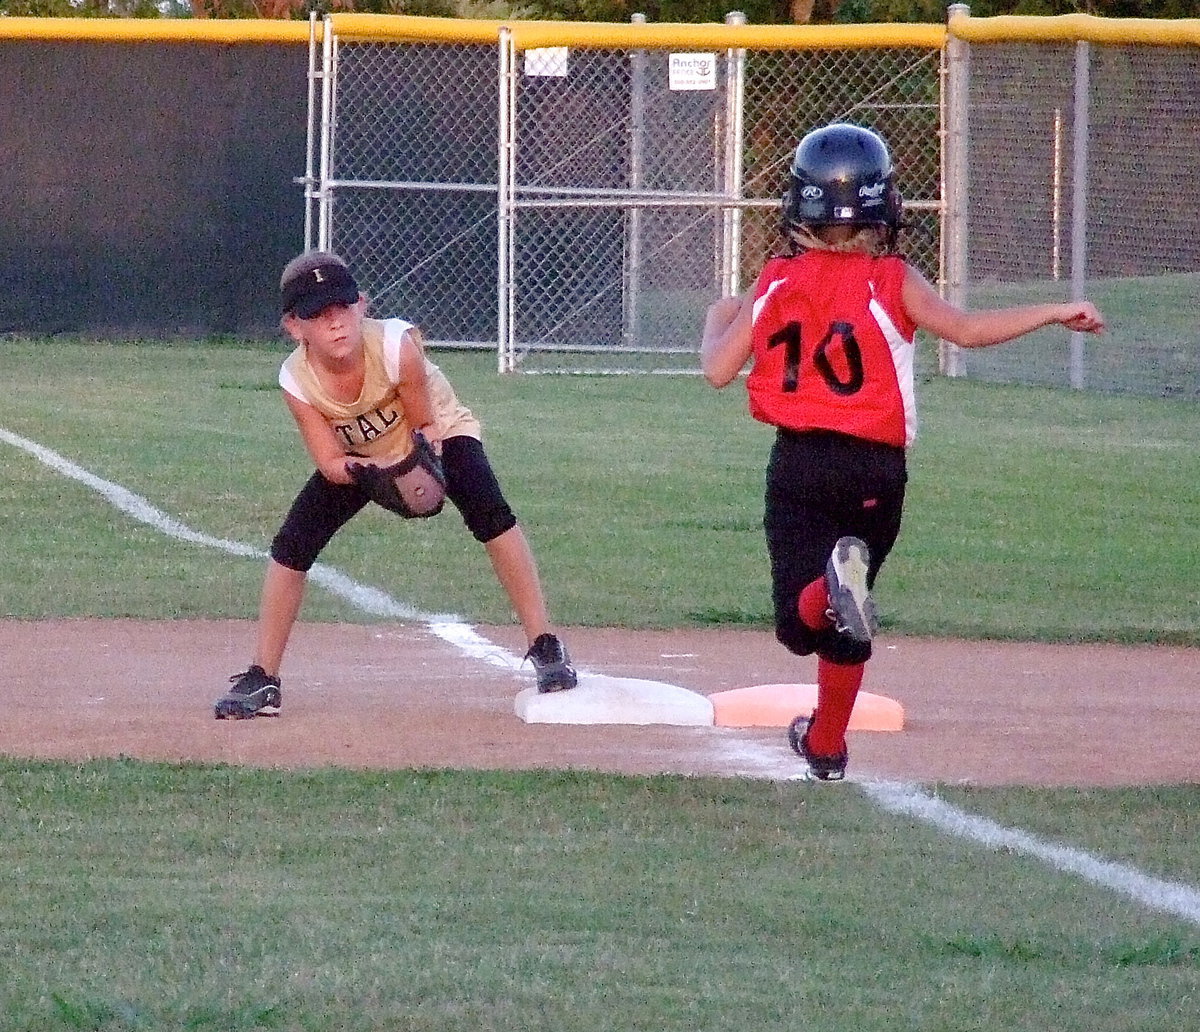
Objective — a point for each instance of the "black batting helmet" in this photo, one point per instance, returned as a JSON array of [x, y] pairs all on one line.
[[842, 175]]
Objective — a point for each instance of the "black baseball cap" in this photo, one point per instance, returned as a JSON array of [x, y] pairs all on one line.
[[316, 288]]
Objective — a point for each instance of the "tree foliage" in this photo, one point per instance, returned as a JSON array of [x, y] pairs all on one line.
[[759, 12], [95, 8]]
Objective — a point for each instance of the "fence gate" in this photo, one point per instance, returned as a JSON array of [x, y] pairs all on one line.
[[641, 174], [574, 195], [404, 138], [611, 220]]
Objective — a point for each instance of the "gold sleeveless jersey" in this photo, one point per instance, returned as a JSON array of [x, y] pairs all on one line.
[[374, 424]]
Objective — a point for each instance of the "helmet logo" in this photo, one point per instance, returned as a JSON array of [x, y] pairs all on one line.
[[875, 190], [811, 193]]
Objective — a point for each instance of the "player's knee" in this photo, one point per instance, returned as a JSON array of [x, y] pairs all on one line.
[[491, 522], [796, 637], [288, 551], [842, 650]]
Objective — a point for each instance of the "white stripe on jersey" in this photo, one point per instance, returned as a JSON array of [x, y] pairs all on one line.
[[902, 358], [393, 333], [758, 305]]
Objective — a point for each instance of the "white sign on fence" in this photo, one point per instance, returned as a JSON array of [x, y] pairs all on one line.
[[692, 72], [546, 61]]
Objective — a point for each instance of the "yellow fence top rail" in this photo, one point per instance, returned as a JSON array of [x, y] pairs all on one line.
[[414, 29], [157, 30], [531, 34], [1074, 28], [528, 35]]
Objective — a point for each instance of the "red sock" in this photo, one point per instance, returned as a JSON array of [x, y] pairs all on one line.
[[814, 605], [837, 688]]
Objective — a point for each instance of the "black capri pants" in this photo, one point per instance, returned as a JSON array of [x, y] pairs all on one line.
[[822, 486], [322, 508]]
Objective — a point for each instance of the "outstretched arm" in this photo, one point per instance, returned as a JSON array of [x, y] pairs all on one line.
[[726, 345], [319, 439], [994, 325], [413, 387]]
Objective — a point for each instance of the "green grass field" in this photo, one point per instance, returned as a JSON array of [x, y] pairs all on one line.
[[1150, 346], [1055, 515], [145, 896]]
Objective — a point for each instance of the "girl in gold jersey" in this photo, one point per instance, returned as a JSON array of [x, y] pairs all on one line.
[[357, 388]]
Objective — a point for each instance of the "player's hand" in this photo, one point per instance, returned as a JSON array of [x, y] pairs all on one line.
[[722, 312], [1082, 317], [431, 434], [348, 473], [725, 346]]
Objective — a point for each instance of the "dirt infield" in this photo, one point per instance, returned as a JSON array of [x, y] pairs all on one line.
[[397, 696]]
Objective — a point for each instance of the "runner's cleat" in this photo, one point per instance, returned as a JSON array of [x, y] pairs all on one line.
[[851, 607], [820, 768]]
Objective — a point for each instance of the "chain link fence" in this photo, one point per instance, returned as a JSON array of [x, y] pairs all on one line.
[[573, 196], [647, 183], [576, 204], [409, 174], [1080, 156]]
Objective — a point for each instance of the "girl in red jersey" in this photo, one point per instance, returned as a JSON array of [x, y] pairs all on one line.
[[830, 329]]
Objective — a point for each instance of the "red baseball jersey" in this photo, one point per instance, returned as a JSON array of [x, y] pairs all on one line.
[[833, 346]]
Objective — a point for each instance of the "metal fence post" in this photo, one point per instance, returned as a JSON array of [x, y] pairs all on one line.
[[735, 104], [505, 210], [310, 142], [954, 187], [1079, 189], [1056, 199], [637, 145], [325, 198]]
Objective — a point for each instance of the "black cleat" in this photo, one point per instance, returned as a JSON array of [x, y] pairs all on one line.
[[551, 664], [851, 607], [254, 693], [820, 768]]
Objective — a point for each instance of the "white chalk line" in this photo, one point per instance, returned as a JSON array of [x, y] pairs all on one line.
[[1174, 898], [363, 597], [1170, 897]]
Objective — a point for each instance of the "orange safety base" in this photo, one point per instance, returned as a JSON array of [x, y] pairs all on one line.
[[777, 705]]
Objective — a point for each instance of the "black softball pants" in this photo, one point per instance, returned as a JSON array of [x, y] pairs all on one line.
[[822, 486], [322, 508]]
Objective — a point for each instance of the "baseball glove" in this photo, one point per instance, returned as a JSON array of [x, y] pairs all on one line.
[[414, 487]]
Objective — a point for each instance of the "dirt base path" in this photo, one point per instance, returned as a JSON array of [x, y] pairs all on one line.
[[394, 697]]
